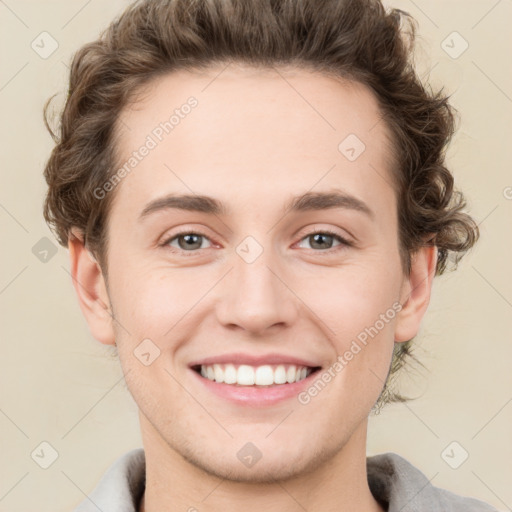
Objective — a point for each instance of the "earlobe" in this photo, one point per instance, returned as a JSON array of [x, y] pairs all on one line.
[[415, 293], [91, 290]]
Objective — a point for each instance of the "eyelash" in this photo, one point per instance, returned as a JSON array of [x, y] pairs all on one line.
[[344, 243]]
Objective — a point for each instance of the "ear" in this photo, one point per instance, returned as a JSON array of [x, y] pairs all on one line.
[[415, 293], [91, 289]]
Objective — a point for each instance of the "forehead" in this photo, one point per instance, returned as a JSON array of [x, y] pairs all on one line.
[[254, 130]]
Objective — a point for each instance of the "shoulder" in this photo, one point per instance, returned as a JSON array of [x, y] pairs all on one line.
[[121, 487], [400, 486]]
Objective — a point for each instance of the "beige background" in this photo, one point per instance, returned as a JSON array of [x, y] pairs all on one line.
[[61, 386]]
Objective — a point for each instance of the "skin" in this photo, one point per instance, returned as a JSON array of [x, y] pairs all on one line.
[[253, 142]]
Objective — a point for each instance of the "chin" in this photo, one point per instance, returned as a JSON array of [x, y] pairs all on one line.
[[278, 466]]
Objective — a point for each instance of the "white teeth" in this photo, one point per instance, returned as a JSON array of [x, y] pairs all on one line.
[[290, 374], [229, 374], [264, 376], [280, 375], [218, 373], [245, 375]]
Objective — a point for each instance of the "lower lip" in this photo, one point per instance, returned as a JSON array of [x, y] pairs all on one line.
[[256, 395]]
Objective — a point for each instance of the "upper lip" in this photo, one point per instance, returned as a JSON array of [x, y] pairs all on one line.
[[255, 360]]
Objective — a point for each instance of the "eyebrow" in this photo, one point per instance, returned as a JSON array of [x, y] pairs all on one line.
[[309, 201]]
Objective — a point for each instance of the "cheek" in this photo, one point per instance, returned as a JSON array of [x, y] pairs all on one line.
[[358, 307], [350, 299], [147, 305]]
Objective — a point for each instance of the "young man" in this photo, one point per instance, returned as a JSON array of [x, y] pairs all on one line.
[[255, 201]]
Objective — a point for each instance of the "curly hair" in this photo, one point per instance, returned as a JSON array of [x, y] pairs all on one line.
[[358, 40]]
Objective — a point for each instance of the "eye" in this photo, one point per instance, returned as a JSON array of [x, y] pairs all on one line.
[[187, 241], [320, 239]]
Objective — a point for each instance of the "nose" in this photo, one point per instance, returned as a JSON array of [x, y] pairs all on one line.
[[256, 295]]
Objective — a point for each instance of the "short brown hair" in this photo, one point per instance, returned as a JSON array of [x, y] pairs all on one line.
[[355, 39]]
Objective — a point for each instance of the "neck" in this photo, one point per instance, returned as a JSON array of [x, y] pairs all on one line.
[[175, 484]]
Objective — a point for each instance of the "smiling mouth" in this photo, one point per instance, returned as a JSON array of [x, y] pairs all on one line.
[[246, 375]]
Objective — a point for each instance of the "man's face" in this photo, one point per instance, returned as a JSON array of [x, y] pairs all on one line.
[[254, 281]]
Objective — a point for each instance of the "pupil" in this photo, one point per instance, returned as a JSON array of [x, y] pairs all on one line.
[[189, 241], [321, 237]]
